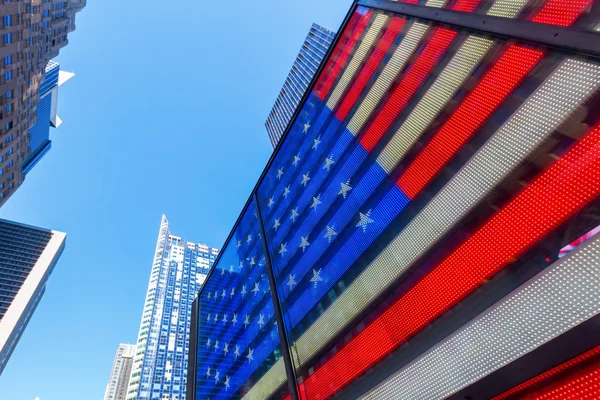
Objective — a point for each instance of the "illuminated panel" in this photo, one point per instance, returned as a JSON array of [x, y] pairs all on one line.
[[341, 61], [357, 59], [496, 86], [556, 195], [419, 70], [568, 86], [564, 367], [585, 385], [383, 83], [370, 67], [561, 12], [548, 305]]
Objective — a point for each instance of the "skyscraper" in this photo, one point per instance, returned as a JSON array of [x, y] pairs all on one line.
[[32, 34], [27, 257], [428, 227], [309, 58], [120, 373], [178, 271]]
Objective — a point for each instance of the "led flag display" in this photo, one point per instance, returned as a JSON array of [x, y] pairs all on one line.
[[425, 160]]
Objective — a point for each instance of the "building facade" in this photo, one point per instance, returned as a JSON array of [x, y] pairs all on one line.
[[428, 227], [120, 373], [160, 365], [27, 258], [32, 33], [309, 58]]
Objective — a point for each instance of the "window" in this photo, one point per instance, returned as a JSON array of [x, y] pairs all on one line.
[[46, 13], [7, 38], [1, 187], [9, 108], [9, 139], [7, 20], [9, 164], [10, 178], [8, 75], [8, 60], [11, 185], [9, 94], [8, 127], [46, 24], [9, 152]]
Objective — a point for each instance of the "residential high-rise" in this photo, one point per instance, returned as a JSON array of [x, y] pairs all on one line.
[[121, 371], [32, 34], [309, 58], [178, 271], [27, 257], [428, 226]]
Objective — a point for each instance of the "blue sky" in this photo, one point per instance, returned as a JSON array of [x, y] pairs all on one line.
[[166, 115]]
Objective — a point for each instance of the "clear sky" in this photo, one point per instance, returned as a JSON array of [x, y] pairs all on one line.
[[165, 115]]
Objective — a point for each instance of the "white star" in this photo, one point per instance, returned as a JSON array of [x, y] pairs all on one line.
[[306, 127], [276, 224], [256, 289], [209, 295], [239, 244], [216, 345], [208, 373], [286, 191], [223, 294], [208, 343], [224, 319], [345, 188], [330, 233], [216, 295], [243, 292], [316, 142], [316, 277], [304, 243], [222, 272], [294, 214], [279, 173], [241, 264], [217, 376], [226, 382], [365, 219], [232, 292], [261, 320], [328, 163], [234, 319], [208, 318], [230, 268], [252, 262], [261, 262], [237, 351], [249, 239], [296, 159], [249, 356], [283, 249], [271, 202], [305, 179], [292, 282], [226, 348], [216, 318], [316, 202], [246, 321]]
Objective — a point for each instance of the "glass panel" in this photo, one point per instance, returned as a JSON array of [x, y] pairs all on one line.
[[238, 339]]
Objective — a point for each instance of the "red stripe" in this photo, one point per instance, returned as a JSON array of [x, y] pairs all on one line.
[[498, 84], [337, 51], [370, 67], [417, 73], [562, 12], [343, 57], [552, 198], [584, 384], [562, 368]]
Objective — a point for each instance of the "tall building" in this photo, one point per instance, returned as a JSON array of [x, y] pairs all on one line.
[[309, 58], [27, 257], [178, 271], [428, 227], [32, 33], [121, 371]]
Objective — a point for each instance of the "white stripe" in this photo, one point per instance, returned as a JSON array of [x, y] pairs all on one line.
[[357, 60], [556, 300]]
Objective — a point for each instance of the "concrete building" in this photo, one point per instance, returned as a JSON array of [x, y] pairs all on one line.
[[121, 371], [178, 271], [27, 257], [32, 33], [309, 58]]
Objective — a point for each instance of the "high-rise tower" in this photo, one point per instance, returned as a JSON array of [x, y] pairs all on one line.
[[27, 257], [309, 58], [178, 271], [121, 371]]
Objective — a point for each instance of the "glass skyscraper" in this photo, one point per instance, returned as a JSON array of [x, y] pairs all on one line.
[[118, 383], [27, 257], [160, 363], [309, 58]]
